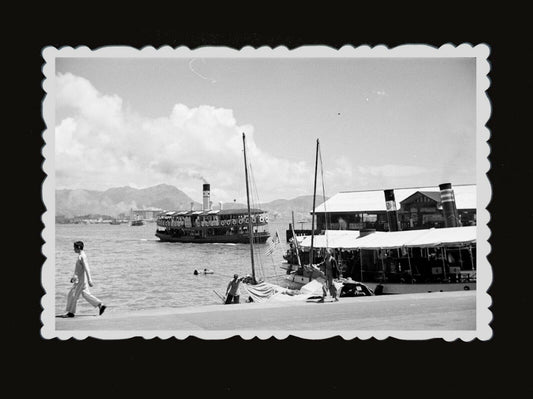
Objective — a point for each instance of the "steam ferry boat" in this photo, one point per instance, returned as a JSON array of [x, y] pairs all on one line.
[[212, 225]]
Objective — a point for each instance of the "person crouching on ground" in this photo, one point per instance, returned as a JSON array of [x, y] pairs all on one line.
[[331, 270], [233, 292], [80, 284]]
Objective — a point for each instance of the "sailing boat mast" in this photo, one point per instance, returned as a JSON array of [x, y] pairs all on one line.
[[313, 217], [295, 241], [250, 229]]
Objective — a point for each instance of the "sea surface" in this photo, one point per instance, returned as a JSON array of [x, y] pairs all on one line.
[[133, 270]]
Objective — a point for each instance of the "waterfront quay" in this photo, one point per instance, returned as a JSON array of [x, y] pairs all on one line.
[[437, 311]]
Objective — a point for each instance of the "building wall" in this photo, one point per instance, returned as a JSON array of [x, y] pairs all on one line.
[[419, 216], [353, 221]]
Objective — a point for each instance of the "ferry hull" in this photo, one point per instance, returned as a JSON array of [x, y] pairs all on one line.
[[297, 281], [417, 288], [223, 239]]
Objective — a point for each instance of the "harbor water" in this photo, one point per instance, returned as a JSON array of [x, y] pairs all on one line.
[[133, 270]]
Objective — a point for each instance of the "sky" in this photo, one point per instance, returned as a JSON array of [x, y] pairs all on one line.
[[382, 123]]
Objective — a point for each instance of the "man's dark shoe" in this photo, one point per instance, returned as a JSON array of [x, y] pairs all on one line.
[[321, 300], [102, 309], [69, 314]]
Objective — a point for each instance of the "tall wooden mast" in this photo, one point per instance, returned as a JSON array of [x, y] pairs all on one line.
[[313, 217]]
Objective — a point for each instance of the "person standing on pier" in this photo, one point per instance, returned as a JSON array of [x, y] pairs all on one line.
[[81, 285], [233, 292], [331, 270]]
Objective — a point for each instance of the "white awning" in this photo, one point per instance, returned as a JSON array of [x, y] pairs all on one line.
[[449, 236], [387, 239], [350, 239], [330, 239]]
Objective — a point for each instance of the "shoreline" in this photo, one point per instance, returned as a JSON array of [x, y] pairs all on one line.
[[437, 311]]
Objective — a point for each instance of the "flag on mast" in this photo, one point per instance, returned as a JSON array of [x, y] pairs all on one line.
[[272, 243]]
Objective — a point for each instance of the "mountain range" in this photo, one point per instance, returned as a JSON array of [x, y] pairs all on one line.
[[114, 201]]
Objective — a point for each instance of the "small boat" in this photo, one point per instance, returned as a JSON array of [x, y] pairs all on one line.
[[300, 266], [260, 290], [303, 275]]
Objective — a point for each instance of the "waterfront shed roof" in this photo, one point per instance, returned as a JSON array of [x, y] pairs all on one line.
[[434, 195], [374, 200]]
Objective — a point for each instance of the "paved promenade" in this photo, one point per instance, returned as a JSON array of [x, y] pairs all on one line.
[[428, 311]]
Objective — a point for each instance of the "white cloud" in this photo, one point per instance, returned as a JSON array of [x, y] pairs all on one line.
[[78, 93], [342, 175], [393, 171], [101, 145]]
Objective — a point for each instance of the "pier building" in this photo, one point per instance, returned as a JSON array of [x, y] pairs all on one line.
[[148, 214], [399, 209]]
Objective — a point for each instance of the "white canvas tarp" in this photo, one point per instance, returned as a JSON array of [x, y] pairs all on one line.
[[263, 292]]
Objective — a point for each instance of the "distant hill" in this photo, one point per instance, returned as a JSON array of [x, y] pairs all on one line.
[[283, 208], [118, 200], [71, 203]]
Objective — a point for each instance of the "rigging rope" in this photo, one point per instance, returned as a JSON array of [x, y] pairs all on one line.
[[254, 189], [323, 195], [254, 205]]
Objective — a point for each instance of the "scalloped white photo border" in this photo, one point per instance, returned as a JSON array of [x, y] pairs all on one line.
[[480, 52]]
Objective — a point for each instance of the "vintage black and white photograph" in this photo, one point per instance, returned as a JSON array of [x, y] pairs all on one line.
[[266, 192]]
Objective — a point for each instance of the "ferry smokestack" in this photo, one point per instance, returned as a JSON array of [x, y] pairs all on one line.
[[392, 212], [192, 205], [207, 196], [220, 203], [449, 208]]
